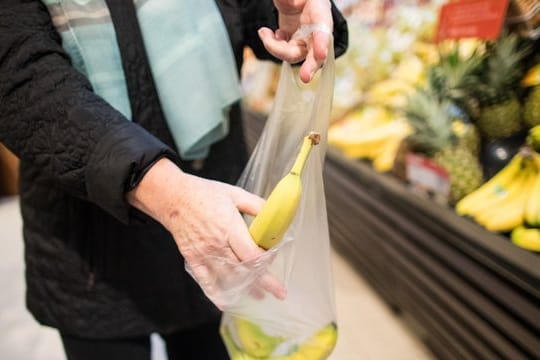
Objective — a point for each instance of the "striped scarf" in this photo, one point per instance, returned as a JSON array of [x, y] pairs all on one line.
[[189, 54]]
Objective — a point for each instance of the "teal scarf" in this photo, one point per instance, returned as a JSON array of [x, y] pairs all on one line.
[[189, 54]]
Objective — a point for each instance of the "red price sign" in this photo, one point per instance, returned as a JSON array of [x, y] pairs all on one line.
[[426, 175], [481, 19]]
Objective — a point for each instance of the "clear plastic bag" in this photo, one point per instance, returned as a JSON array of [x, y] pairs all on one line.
[[305, 321]]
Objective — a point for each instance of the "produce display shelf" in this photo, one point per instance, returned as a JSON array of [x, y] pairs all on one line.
[[472, 293], [466, 292]]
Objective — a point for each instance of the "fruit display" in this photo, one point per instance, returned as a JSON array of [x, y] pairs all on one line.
[[387, 59], [277, 213], [248, 341], [509, 202], [468, 105]]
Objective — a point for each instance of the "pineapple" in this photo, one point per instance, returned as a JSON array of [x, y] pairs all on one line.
[[434, 136], [452, 80], [497, 92]]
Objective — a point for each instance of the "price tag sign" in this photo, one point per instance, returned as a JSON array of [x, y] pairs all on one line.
[[482, 19], [424, 174]]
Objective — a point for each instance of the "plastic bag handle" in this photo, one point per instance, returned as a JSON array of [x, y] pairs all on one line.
[[307, 29]]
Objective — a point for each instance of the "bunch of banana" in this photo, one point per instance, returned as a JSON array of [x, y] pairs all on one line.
[[500, 204], [378, 142], [392, 92], [269, 226], [261, 346]]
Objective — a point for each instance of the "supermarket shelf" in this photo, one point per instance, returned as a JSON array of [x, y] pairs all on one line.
[[467, 293], [474, 294]]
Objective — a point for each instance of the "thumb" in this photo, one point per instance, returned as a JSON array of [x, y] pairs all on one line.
[[277, 44]]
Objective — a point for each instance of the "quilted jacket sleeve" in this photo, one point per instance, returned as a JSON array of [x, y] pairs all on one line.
[[258, 13], [51, 119]]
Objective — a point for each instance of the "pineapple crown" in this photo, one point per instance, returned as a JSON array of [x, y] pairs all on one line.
[[502, 68], [455, 77], [431, 121]]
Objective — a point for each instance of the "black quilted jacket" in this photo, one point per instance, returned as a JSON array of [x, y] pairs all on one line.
[[94, 266]]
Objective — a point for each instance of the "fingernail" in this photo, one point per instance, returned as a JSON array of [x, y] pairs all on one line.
[[260, 32]]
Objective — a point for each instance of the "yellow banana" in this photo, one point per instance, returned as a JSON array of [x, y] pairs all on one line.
[[269, 226], [317, 347], [493, 188], [384, 160], [253, 340], [492, 203], [232, 349], [527, 238], [510, 212], [532, 77], [368, 144]]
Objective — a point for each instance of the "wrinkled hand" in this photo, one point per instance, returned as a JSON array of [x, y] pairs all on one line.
[[204, 218], [312, 50]]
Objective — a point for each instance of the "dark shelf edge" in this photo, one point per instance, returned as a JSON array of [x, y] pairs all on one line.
[[520, 259]]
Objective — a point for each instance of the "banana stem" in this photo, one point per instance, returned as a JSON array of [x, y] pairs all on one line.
[[312, 139]]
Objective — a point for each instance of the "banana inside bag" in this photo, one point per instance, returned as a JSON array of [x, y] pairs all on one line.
[[285, 168]]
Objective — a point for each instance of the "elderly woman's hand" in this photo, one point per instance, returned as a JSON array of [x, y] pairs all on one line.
[[204, 217], [312, 50]]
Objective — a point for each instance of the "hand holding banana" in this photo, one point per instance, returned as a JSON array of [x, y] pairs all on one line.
[[204, 217]]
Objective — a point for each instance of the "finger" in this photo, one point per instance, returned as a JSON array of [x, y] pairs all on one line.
[[240, 240], [320, 44], [316, 56], [256, 293], [291, 51], [273, 286], [245, 201], [309, 67]]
